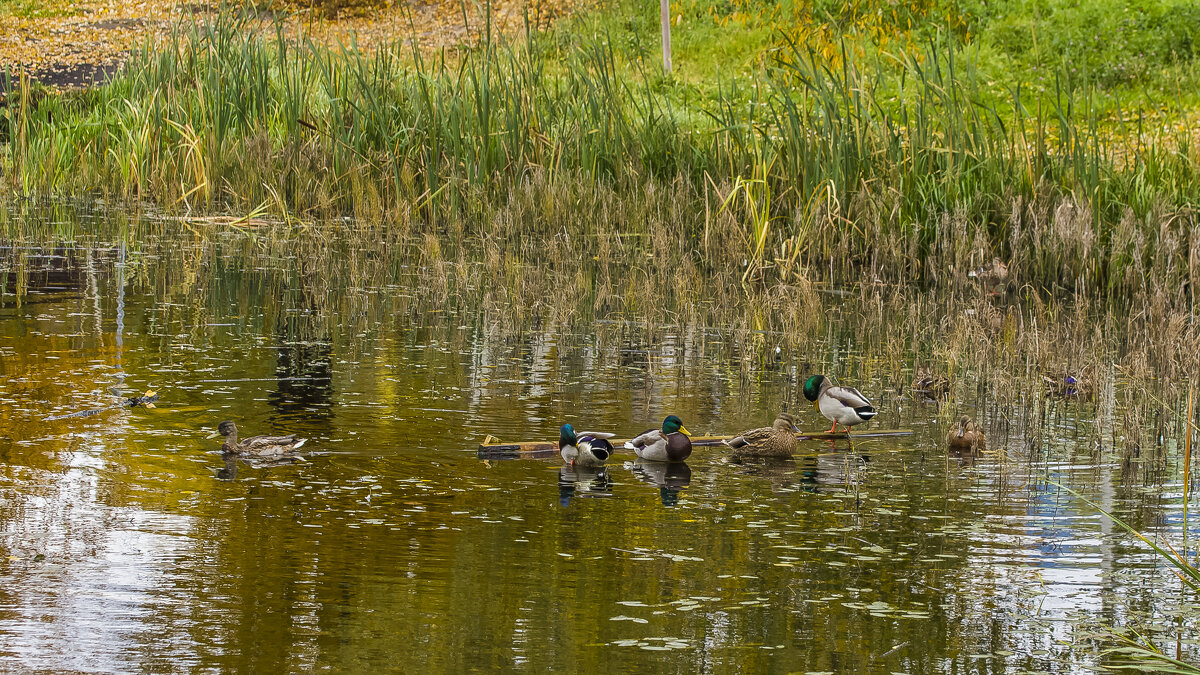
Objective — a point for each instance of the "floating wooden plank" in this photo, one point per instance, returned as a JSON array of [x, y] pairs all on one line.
[[494, 448]]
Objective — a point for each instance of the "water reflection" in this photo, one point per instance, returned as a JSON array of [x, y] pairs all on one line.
[[303, 371], [782, 475], [229, 471], [668, 477], [966, 457], [883, 556], [575, 481]]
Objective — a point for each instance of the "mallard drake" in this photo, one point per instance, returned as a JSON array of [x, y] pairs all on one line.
[[589, 448], [966, 435], [777, 440], [668, 444], [257, 446], [841, 405]]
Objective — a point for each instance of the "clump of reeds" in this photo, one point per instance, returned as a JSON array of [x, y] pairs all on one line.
[[840, 173]]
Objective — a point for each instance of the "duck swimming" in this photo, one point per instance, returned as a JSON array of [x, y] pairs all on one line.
[[932, 387], [589, 448], [777, 440], [257, 446], [841, 405], [668, 444], [966, 435]]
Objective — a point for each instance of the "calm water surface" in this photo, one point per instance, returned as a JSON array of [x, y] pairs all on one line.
[[123, 545]]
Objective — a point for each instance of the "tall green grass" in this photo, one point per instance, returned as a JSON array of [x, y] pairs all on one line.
[[912, 178]]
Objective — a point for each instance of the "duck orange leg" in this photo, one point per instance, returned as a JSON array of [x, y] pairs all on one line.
[[833, 429]]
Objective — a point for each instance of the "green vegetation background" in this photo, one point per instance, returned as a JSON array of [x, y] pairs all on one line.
[[1134, 53], [913, 138]]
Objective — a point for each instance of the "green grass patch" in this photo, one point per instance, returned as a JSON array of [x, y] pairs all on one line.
[[33, 9]]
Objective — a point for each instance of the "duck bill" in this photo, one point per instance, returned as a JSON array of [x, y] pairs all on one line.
[[683, 430], [816, 406]]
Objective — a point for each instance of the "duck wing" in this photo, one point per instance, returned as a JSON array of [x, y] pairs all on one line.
[[594, 434], [648, 437], [849, 397], [263, 442], [597, 449], [749, 437]]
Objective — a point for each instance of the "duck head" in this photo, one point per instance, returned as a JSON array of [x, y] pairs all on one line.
[[566, 436], [673, 424], [813, 387], [785, 422], [227, 428]]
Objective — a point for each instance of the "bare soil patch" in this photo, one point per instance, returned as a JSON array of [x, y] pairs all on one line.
[[63, 44]]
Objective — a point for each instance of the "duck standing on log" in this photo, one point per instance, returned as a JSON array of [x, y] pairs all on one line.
[[841, 405]]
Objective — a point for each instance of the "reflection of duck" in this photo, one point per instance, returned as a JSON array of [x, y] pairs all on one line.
[[592, 480], [668, 444], [965, 456], [781, 472], [842, 405], [777, 440], [230, 470], [589, 448], [966, 435], [670, 477], [257, 446]]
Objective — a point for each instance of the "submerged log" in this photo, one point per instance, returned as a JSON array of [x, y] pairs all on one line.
[[494, 448]]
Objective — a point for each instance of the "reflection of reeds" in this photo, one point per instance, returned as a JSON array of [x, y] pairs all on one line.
[[577, 266], [1133, 650]]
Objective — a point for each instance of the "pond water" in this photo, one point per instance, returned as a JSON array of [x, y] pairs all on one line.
[[395, 547]]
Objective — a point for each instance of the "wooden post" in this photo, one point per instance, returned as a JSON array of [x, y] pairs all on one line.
[[666, 35]]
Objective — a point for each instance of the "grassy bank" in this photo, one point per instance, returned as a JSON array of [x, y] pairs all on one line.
[[818, 164]]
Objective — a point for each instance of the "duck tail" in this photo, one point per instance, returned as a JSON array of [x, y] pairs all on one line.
[[866, 412], [299, 443], [599, 447]]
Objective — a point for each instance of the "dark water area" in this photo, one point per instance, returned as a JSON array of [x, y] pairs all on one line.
[[125, 546]]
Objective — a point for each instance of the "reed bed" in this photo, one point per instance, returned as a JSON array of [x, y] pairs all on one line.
[[816, 172]]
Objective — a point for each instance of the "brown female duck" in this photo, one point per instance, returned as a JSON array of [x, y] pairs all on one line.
[[257, 446], [777, 440], [966, 435]]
